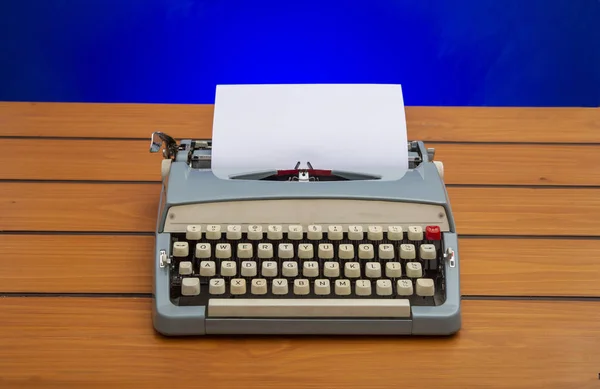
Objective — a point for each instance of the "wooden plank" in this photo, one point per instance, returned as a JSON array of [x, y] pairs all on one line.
[[506, 124], [519, 211], [77, 264], [481, 124], [530, 267], [464, 164], [111, 160], [102, 342], [122, 264], [133, 207], [79, 207], [100, 120], [519, 164]]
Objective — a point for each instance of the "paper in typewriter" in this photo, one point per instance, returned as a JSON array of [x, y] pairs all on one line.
[[359, 128]]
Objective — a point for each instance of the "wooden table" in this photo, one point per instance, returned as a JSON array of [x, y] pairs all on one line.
[[78, 204]]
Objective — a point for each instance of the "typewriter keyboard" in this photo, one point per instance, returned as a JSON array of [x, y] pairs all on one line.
[[314, 270]]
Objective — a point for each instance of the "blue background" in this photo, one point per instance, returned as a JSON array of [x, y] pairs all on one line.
[[447, 52]]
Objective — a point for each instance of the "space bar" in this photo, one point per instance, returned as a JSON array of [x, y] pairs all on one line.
[[240, 307]]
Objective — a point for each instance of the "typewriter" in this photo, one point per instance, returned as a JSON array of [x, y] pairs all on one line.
[[303, 250]]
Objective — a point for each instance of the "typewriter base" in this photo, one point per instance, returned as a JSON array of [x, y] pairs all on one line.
[[172, 320]]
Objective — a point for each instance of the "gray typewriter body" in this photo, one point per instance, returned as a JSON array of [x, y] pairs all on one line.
[[395, 292]]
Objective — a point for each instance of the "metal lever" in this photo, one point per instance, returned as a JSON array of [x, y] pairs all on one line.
[[449, 256], [431, 153], [164, 260], [157, 140]]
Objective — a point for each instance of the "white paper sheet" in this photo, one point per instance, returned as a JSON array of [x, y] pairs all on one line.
[[359, 128]]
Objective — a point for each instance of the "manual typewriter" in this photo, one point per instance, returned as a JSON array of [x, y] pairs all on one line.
[[303, 250]]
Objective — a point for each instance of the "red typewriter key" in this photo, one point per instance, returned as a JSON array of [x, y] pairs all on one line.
[[433, 233]]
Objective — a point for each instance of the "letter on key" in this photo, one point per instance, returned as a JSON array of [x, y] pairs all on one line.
[[181, 249], [234, 232], [193, 232]]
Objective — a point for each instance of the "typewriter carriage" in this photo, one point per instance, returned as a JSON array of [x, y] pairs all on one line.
[[197, 154]]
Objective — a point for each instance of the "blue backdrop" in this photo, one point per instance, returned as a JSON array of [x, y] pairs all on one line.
[[446, 52]]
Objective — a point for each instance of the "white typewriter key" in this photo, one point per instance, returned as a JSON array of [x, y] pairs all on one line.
[[352, 270], [373, 270], [249, 269], [342, 287], [289, 269], [203, 250], [425, 287], [384, 288], [317, 307], [355, 233], [335, 232], [265, 250], [394, 233], [275, 232], [259, 286], [223, 251], [234, 232], [407, 251], [415, 233], [285, 251], [375, 233], [331, 269], [244, 250], [414, 270], [393, 269], [280, 286], [181, 249], [301, 287], [363, 288], [386, 251], [306, 251], [238, 286], [228, 268], [322, 287], [427, 251], [193, 232], [346, 251], [326, 251], [295, 232], [213, 232], [208, 268], [190, 286], [315, 232], [310, 269], [185, 267], [366, 251], [255, 232], [404, 288], [216, 286], [269, 269]]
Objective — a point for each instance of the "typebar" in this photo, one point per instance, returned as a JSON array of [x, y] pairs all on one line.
[[339, 308]]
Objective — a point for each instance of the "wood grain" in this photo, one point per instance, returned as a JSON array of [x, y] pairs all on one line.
[[530, 267], [523, 212], [123, 264], [519, 164], [133, 207], [104, 120], [79, 207], [77, 264], [463, 164], [73, 342], [456, 124], [98, 342]]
